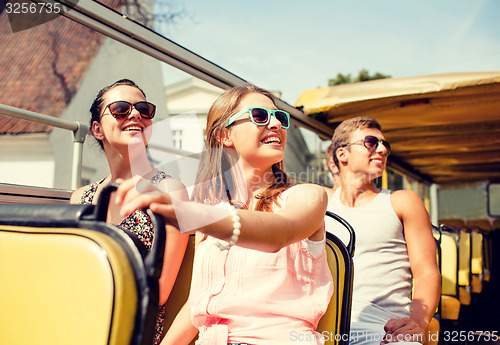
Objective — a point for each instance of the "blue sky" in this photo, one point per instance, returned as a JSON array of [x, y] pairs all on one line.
[[292, 46]]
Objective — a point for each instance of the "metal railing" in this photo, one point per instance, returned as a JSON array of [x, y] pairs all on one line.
[[125, 30], [79, 133]]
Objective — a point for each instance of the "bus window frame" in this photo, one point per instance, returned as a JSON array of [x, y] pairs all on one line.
[[489, 196]]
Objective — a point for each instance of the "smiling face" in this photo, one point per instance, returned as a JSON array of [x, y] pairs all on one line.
[[258, 146], [117, 133], [361, 160]]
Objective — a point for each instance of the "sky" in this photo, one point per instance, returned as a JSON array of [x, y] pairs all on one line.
[[293, 46]]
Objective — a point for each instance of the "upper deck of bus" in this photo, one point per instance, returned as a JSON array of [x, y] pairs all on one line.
[[444, 129]]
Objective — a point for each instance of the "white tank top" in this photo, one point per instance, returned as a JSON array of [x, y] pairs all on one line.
[[382, 275]]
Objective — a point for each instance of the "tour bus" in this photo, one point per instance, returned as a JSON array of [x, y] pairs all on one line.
[[444, 132]]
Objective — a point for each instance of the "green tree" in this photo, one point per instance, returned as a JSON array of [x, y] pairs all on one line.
[[363, 75]]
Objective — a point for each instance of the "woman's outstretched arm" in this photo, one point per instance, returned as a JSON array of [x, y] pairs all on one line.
[[302, 217]]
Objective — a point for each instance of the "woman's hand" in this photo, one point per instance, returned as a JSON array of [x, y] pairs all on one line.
[[134, 194]]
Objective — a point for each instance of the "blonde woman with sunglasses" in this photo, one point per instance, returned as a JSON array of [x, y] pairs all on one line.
[[121, 120], [260, 274]]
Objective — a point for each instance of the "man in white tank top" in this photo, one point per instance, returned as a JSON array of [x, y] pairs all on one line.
[[394, 242]]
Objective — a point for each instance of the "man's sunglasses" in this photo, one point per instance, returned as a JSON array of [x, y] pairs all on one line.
[[371, 143], [122, 109], [262, 116]]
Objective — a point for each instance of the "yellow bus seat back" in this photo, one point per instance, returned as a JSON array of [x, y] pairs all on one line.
[[68, 277], [334, 326], [450, 303], [477, 253], [449, 264], [477, 261], [479, 265], [464, 271], [488, 257], [464, 257], [64, 286]]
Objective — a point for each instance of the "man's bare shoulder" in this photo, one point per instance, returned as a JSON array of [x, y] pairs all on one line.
[[406, 201], [405, 196]]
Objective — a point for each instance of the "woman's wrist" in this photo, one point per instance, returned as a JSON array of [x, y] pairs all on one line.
[[236, 229]]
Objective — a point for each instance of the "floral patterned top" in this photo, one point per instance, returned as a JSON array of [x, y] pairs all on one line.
[[141, 225]]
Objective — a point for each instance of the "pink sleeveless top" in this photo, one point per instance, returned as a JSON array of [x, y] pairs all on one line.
[[248, 296]]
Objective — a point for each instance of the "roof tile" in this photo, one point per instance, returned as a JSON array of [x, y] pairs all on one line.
[[41, 68]]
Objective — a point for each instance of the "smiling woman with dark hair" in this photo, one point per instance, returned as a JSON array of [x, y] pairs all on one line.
[[121, 119]]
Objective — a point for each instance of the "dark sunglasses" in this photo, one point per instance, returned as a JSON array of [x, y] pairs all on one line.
[[371, 143], [122, 109], [262, 116]]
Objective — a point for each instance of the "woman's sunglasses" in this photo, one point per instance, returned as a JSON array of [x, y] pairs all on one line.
[[371, 143], [262, 116], [122, 109]]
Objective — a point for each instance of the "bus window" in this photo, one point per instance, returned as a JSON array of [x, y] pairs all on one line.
[[493, 191]]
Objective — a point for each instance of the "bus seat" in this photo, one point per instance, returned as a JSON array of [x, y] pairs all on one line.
[[495, 227], [464, 296], [180, 291], [450, 307], [433, 332], [495, 224], [436, 232], [68, 277], [464, 259], [346, 235], [488, 256], [434, 326], [336, 323], [476, 261], [450, 302], [464, 270], [481, 255]]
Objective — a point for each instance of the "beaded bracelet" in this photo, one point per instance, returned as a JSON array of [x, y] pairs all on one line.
[[236, 229]]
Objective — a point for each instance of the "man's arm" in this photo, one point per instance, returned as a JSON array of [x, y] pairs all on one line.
[[422, 255]]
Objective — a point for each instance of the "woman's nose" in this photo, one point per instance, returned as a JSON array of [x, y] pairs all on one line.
[[134, 113], [274, 123]]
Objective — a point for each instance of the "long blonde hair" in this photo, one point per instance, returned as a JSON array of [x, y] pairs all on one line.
[[213, 182]]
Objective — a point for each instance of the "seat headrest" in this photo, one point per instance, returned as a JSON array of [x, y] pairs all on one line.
[[26, 214]]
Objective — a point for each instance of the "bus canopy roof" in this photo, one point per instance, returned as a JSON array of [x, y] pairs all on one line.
[[443, 128]]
